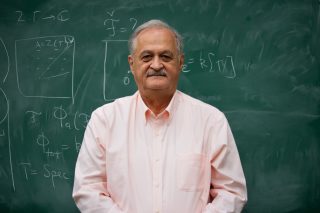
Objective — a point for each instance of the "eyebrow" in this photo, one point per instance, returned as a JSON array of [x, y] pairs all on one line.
[[167, 52], [145, 52]]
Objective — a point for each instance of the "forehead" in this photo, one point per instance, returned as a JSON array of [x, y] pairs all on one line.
[[156, 38]]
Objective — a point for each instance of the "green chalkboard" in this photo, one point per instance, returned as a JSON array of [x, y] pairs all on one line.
[[256, 60]]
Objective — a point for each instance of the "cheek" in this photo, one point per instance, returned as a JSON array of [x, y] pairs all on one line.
[[138, 73], [141, 69]]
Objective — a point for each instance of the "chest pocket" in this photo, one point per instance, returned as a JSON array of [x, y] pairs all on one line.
[[191, 172]]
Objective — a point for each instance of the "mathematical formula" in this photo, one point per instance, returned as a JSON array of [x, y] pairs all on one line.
[[50, 61], [211, 63], [47, 171], [44, 142], [78, 121], [114, 25], [38, 15], [45, 68]]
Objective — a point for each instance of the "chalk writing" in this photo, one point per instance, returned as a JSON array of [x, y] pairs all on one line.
[[60, 114], [5, 129], [204, 61], [126, 80], [113, 26], [34, 116], [77, 144], [55, 153], [8, 60], [26, 167], [54, 173], [56, 44], [79, 120], [2, 133], [37, 16], [44, 142], [47, 171], [210, 63], [116, 65], [45, 61], [4, 108]]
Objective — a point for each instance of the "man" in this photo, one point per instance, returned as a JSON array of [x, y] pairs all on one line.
[[158, 150]]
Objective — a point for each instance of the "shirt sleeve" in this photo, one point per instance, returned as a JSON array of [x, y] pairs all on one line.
[[90, 182], [228, 184]]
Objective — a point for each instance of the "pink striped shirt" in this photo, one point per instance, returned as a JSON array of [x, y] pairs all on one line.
[[135, 162]]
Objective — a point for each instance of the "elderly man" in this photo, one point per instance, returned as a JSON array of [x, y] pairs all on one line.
[[158, 150]]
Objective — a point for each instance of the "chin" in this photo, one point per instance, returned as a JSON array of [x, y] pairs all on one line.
[[158, 87]]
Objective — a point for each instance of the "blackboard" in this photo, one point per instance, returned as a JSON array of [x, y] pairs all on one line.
[[257, 61]]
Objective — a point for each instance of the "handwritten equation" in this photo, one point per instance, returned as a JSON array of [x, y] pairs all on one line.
[[115, 25], [39, 15], [77, 122], [47, 171], [46, 63], [209, 62], [54, 152]]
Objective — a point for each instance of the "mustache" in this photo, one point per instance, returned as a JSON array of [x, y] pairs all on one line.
[[151, 72]]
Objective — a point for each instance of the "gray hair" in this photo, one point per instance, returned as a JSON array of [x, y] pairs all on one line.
[[154, 24]]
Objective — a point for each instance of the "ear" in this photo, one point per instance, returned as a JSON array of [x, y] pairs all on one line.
[[130, 61]]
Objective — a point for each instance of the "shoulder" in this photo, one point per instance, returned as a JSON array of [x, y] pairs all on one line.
[[111, 111], [199, 107]]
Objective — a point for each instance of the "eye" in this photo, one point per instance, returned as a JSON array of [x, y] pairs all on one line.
[[146, 58], [166, 58]]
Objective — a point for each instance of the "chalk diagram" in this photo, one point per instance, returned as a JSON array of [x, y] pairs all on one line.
[[3, 106], [118, 79], [4, 66], [4, 129], [45, 66]]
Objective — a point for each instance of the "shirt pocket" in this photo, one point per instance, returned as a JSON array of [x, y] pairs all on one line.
[[191, 172]]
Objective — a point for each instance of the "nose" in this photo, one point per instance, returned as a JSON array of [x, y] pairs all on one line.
[[156, 64]]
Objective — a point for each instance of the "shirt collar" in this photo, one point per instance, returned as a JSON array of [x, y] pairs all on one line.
[[167, 113]]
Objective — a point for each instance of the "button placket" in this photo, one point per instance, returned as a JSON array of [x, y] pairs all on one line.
[[157, 165], [159, 126]]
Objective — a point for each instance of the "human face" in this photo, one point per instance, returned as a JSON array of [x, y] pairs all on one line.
[[156, 62]]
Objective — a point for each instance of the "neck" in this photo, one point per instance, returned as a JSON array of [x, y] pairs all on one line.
[[157, 103]]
